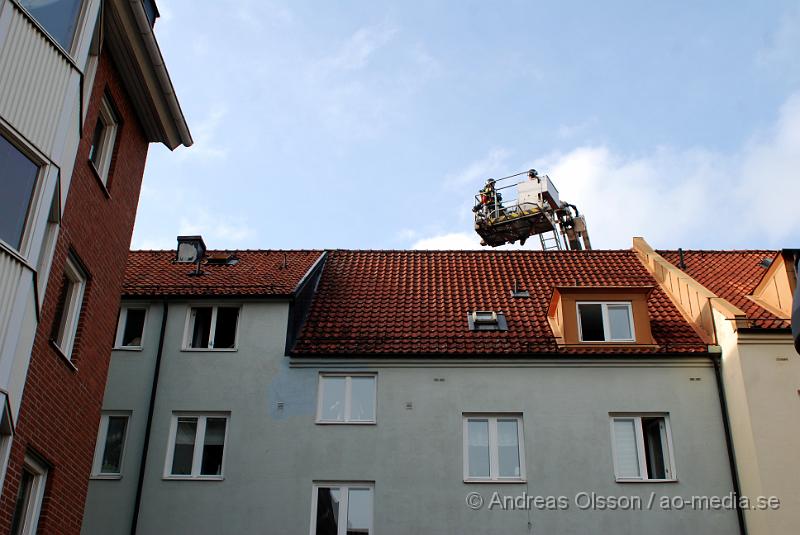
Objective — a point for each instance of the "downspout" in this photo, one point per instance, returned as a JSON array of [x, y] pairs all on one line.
[[723, 405], [150, 409]]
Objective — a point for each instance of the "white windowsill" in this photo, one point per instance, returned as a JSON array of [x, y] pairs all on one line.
[[112, 477], [337, 422], [624, 480], [505, 480], [191, 478], [127, 348]]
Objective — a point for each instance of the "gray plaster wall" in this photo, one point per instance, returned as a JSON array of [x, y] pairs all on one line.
[[413, 456]]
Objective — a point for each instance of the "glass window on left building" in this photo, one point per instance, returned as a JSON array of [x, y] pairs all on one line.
[[17, 191], [58, 17]]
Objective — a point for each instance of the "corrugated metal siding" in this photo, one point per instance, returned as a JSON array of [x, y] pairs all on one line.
[[10, 275], [34, 79]]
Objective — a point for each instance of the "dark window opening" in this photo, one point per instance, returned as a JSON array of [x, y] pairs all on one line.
[[213, 447], [328, 511], [134, 327], [23, 501], [58, 17], [201, 333], [225, 332], [653, 431], [115, 438], [97, 143], [184, 446], [591, 318]]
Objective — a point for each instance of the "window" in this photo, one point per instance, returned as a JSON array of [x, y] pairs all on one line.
[[493, 448], [58, 17], [486, 320], [69, 307], [347, 399], [212, 327], [605, 322], [197, 447], [29, 497], [110, 445], [130, 330], [642, 448], [105, 132], [16, 192], [341, 509]]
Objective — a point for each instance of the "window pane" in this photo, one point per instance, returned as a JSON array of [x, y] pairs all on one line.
[[625, 451], [654, 448], [202, 326], [362, 403], [359, 511], [97, 143], [115, 438], [508, 448], [225, 332], [23, 501], [213, 447], [478, 447], [620, 322], [184, 446], [16, 189], [328, 510], [58, 17], [134, 327], [333, 390], [591, 318]]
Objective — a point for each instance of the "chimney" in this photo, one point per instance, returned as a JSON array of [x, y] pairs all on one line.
[[191, 250]]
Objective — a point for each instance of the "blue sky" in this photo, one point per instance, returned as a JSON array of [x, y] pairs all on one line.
[[371, 124]]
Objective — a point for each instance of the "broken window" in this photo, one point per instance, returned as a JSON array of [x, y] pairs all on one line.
[[212, 327]]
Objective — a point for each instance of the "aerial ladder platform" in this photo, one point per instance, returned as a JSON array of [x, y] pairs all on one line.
[[511, 209]]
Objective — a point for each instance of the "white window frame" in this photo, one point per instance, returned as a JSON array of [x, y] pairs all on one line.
[[640, 448], [494, 453], [199, 443], [73, 303], [30, 521], [189, 329], [123, 319], [345, 487], [100, 447], [606, 322], [108, 139], [348, 398]]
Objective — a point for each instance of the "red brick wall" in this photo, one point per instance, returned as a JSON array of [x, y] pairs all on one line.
[[61, 405]]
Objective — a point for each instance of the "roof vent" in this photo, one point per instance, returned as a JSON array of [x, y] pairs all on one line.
[[191, 249], [222, 260], [516, 291], [486, 320]]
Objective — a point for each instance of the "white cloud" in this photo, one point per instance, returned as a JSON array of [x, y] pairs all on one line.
[[204, 133], [453, 240], [475, 174], [780, 53], [356, 51], [218, 230]]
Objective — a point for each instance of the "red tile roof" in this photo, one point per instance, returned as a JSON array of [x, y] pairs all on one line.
[[731, 275], [257, 273], [416, 302]]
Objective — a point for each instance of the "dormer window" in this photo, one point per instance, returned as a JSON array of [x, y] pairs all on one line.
[[486, 320], [585, 315], [605, 322]]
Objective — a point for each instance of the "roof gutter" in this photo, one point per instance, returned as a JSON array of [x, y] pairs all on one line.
[[164, 81]]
